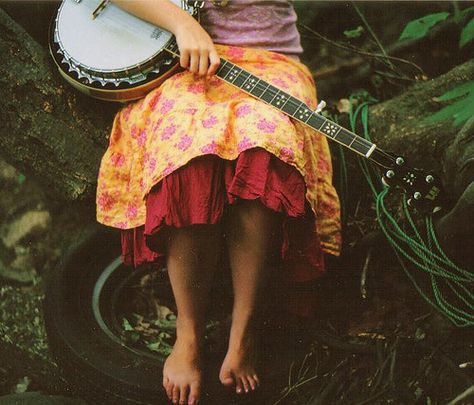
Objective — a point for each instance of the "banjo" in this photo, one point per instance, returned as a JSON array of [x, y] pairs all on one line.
[[112, 55]]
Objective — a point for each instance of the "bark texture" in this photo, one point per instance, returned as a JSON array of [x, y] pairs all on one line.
[[47, 130]]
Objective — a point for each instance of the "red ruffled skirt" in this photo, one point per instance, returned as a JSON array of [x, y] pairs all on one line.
[[200, 192]]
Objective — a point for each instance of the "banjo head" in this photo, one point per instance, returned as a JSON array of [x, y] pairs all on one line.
[[114, 51]]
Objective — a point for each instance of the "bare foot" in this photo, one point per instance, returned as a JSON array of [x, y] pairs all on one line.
[[182, 372], [238, 368]]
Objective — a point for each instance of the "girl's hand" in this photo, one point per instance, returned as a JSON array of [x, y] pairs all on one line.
[[198, 53]]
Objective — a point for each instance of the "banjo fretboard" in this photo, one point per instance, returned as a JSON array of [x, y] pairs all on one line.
[[295, 109]]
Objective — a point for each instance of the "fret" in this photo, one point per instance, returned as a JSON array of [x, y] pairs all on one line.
[[258, 89], [224, 69], [274, 97], [269, 93], [281, 100], [291, 106], [361, 145], [345, 137], [316, 121], [232, 74], [250, 83], [244, 84]]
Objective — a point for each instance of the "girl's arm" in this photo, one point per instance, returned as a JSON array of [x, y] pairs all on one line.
[[198, 53]]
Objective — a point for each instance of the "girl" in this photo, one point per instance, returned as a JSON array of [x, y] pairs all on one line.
[[198, 163]]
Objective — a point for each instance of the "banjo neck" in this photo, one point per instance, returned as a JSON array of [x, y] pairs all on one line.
[[296, 109]]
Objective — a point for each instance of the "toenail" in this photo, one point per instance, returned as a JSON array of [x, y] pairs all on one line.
[[239, 390]]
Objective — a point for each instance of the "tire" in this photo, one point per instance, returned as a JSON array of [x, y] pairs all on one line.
[[85, 339]]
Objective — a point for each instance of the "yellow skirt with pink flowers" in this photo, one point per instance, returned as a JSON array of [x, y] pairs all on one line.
[[187, 117]]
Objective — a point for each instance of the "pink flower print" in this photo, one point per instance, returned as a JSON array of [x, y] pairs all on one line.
[[287, 153], [292, 77], [266, 126], [142, 138], [209, 122], [169, 169], [168, 132], [185, 142], [243, 110], [118, 159], [210, 148], [235, 52], [142, 185], [121, 225], [133, 131], [197, 87], [105, 201], [308, 101], [261, 66], [245, 144], [300, 145], [132, 211], [151, 165], [126, 112], [167, 106], [190, 110], [280, 83], [157, 124]]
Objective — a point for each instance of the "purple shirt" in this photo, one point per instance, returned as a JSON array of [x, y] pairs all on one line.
[[267, 24]]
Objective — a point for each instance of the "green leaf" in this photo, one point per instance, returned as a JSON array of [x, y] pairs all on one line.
[[355, 33], [460, 110], [420, 27], [126, 325], [21, 179], [467, 34], [465, 12]]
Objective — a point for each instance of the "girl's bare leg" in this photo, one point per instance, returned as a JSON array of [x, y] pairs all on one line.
[[192, 258], [252, 234]]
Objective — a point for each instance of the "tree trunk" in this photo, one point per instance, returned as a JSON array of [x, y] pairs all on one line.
[[398, 125], [59, 135], [46, 129]]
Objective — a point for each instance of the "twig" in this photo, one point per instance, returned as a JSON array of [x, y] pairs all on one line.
[[466, 394], [363, 276], [359, 51], [369, 28]]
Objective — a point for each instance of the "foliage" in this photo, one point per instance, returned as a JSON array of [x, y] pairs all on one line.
[[420, 27], [467, 34], [354, 33], [462, 107]]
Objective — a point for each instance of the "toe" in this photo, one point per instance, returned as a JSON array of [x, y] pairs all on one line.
[[253, 384], [169, 391], [245, 384], [194, 394], [256, 379], [165, 383], [183, 395], [175, 394], [238, 386], [227, 379]]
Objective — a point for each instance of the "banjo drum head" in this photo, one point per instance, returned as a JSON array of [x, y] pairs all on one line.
[[114, 42]]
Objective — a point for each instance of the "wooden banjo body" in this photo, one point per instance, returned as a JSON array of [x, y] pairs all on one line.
[[108, 53]]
